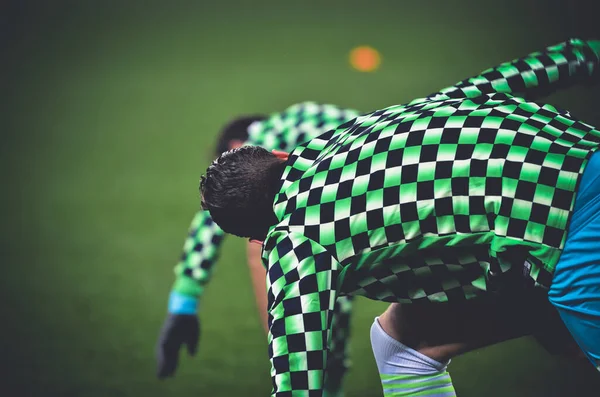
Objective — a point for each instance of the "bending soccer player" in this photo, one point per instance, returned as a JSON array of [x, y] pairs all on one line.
[[282, 131], [454, 199]]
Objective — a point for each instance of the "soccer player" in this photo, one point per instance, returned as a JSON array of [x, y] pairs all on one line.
[[282, 131], [447, 199]]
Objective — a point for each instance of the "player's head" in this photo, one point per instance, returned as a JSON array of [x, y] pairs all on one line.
[[235, 133], [239, 189]]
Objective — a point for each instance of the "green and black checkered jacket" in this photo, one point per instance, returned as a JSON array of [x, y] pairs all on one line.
[[436, 200]]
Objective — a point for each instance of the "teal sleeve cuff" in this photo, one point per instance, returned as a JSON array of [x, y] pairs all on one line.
[[182, 304]]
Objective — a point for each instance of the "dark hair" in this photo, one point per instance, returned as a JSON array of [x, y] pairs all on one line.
[[236, 129], [239, 190]]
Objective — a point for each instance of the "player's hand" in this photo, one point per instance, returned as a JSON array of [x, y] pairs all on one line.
[[181, 327]]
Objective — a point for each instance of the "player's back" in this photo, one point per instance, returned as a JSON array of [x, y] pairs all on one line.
[[495, 172], [297, 124]]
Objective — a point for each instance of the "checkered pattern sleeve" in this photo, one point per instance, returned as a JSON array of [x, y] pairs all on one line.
[[200, 252], [534, 75], [301, 293], [297, 124]]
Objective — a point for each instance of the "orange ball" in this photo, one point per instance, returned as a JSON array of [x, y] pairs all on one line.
[[365, 58]]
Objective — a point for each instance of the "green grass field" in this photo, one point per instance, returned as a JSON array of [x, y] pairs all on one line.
[[109, 117]]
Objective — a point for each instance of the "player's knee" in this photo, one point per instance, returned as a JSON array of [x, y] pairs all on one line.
[[406, 372], [394, 357], [401, 323]]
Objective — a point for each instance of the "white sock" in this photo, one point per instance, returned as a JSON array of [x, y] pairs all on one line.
[[406, 372]]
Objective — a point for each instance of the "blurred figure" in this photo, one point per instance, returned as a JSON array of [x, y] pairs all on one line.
[[280, 131]]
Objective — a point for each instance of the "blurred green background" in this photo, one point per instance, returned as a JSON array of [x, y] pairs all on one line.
[[109, 114]]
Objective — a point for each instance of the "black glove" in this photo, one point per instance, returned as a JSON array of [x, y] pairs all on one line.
[[177, 330]]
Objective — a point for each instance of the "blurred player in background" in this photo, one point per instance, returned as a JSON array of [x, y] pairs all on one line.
[[464, 194], [279, 131]]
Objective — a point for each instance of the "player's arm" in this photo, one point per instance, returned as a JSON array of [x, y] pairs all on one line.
[[537, 74], [200, 253], [193, 272], [301, 281], [259, 284]]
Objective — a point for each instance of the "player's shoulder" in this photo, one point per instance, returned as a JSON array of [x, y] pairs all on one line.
[[277, 121], [314, 107], [282, 237], [275, 236], [308, 106]]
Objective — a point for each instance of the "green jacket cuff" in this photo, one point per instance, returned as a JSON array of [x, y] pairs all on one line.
[[187, 286]]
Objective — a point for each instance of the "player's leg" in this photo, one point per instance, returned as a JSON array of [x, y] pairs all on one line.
[[413, 344], [575, 289], [338, 360], [404, 371]]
